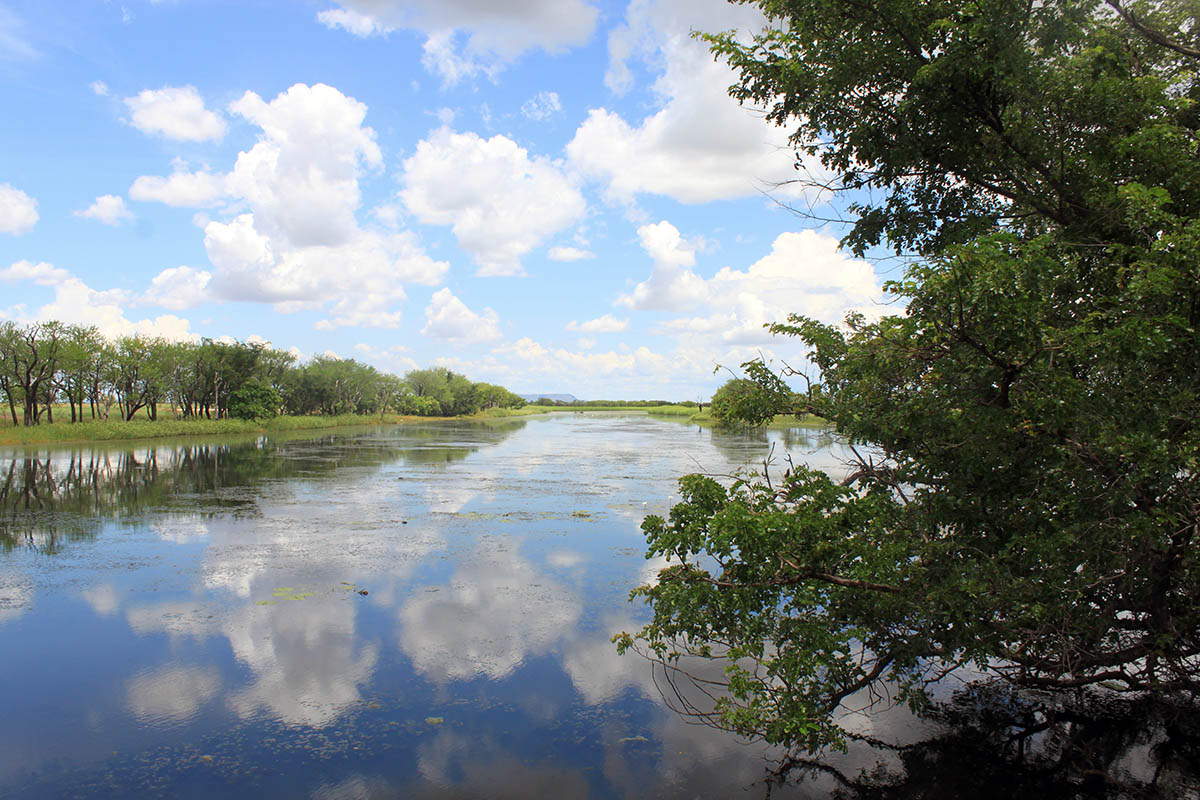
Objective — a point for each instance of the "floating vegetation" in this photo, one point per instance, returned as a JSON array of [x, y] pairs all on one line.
[[434, 720], [288, 593]]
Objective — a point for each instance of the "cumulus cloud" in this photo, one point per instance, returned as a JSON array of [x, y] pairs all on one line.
[[447, 317], [108, 209], [182, 189], [288, 232], [175, 112], [99, 88], [672, 286], [178, 288], [500, 202], [41, 273], [18, 211], [558, 360], [77, 303], [466, 38], [569, 254], [541, 106], [805, 273], [699, 145], [605, 324]]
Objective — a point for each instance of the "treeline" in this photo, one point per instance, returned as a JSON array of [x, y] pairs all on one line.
[[49, 363]]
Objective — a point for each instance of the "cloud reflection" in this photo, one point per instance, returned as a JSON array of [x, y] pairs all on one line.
[[173, 694], [496, 611]]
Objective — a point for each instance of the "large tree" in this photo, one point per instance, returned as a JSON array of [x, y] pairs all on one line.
[[1027, 498]]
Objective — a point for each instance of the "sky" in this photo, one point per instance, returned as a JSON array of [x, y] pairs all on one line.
[[552, 195]]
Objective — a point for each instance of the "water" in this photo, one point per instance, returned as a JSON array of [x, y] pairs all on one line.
[[421, 611], [426, 611]]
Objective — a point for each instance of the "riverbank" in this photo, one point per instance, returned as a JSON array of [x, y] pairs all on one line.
[[680, 413], [118, 430]]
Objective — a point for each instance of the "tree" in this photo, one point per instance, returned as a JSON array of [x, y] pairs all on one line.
[[741, 401], [1027, 498], [254, 400]]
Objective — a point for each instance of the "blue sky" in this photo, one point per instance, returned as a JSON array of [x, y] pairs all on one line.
[[554, 195]]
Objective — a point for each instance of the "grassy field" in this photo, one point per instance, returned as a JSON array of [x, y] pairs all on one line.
[[167, 427], [705, 417], [682, 413]]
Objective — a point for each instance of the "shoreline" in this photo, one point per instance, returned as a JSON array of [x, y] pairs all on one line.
[[101, 431]]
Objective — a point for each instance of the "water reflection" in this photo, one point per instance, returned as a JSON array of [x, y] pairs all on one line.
[[989, 741], [420, 611], [494, 613]]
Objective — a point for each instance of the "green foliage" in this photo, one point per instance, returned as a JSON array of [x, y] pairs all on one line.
[[1025, 498], [254, 400], [742, 401], [45, 363]]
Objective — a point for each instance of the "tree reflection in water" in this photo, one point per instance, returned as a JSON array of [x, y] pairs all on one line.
[[991, 741], [49, 498]]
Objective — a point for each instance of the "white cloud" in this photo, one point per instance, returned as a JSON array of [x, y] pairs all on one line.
[[465, 38], [569, 254], [541, 106], [672, 286], [359, 24], [108, 208], [178, 288], [77, 303], [181, 189], [100, 88], [288, 232], [805, 273], [42, 273], [605, 324], [700, 145], [18, 211], [540, 360], [500, 202], [176, 112], [721, 320], [447, 317]]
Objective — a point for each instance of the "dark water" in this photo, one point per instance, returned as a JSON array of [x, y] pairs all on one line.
[[413, 611], [426, 611]]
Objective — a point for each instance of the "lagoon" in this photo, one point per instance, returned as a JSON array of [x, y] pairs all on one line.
[[420, 610]]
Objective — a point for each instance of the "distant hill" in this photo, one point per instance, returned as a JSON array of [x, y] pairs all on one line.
[[558, 398]]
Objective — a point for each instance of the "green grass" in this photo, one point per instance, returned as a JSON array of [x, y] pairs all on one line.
[[533, 410], [706, 417], [524, 411], [117, 430], [688, 410]]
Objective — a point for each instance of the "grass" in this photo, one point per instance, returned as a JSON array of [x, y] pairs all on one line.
[[145, 428], [533, 410], [706, 417], [118, 430], [688, 411]]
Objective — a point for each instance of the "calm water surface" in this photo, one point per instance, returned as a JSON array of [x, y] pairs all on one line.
[[417, 611]]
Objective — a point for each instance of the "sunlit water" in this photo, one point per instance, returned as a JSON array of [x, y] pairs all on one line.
[[415, 611]]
